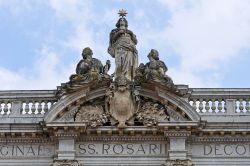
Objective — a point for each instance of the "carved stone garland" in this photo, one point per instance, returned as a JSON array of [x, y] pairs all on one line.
[[93, 115], [150, 113]]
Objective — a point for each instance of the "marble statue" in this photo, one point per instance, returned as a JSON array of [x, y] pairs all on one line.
[[122, 47], [155, 70], [88, 68], [88, 71]]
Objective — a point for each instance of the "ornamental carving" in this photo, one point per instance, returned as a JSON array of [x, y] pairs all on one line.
[[150, 113], [121, 102], [66, 163], [93, 115], [118, 99], [178, 163]]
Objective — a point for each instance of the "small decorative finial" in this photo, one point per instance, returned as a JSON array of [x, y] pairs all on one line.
[[122, 13]]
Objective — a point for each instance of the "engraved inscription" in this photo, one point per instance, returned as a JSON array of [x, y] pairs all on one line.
[[221, 150], [226, 150], [157, 149], [26, 150]]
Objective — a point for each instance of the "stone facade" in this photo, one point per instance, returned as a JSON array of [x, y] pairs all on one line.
[[136, 116]]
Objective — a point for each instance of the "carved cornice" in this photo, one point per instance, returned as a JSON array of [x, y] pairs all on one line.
[[66, 134], [122, 138], [219, 139], [26, 140], [177, 133]]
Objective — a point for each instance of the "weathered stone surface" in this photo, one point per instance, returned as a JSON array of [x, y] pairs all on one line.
[[122, 47], [138, 118]]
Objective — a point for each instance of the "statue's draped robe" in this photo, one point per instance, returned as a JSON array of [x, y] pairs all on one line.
[[123, 49]]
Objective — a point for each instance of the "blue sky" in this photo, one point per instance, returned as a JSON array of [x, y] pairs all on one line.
[[205, 43]]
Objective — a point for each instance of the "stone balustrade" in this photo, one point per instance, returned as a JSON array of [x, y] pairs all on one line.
[[224, 101], [206, 101], [28, 104]]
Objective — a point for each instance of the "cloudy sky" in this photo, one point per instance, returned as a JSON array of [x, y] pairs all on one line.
[[205, 43]]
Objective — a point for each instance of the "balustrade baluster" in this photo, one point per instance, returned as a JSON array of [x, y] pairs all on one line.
[[39, 108], [247, 105], [225, 105], [45, 107], [241, 106], [201, 105], [207, 107], [33, 107], [220, 105], [5, 108], [213, 107], [26, 108]]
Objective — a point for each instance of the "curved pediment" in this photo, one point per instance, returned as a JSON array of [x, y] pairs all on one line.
[[150, 105]]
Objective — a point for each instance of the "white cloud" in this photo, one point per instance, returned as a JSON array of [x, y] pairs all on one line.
[[45, 73], [16, 7], [206, 34], [203, 34]]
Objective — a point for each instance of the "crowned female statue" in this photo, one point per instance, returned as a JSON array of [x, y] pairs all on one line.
[[122, 47]]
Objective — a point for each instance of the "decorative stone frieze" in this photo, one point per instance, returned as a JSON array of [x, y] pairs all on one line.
[[177, 133], [122, 138], [220, 139], [179, 163], [66, 163]]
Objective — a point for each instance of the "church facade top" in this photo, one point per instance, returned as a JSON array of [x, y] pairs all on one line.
[[135, 116]]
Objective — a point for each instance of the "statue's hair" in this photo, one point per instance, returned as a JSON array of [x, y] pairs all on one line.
[[152, 53], [86, 51], [118, 22]]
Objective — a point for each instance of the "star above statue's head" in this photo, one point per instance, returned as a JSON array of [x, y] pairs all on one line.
[[122, 13]]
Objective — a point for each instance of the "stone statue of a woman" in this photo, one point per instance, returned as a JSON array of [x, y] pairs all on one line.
[[122, 47]]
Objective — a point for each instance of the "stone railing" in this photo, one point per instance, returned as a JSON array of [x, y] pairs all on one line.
[[209, 103], [25, 103], [220, 101]]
